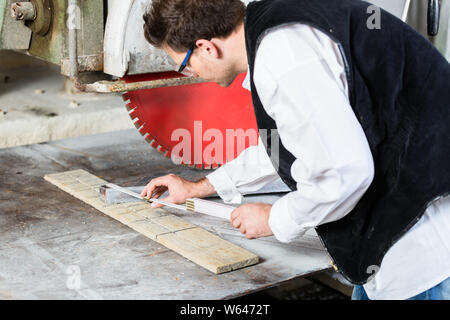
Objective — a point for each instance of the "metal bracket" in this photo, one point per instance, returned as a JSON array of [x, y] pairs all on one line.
[[37, 14], [123, 86]]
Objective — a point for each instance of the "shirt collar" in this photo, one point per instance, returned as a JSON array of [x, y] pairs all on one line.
[[246, 82]]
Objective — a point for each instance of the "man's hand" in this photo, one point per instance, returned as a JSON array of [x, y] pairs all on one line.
[[179, 189], [252, 220]]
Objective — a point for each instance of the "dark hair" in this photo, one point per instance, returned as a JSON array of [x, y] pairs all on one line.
[[180, 23]]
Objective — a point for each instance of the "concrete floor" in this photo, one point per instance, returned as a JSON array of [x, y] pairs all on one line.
[[35, 108]]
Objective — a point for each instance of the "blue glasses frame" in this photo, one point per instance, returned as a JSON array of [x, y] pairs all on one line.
[[186, 59]]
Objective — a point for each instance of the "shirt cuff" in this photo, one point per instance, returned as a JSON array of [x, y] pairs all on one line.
[[224, 186], [284, 228]]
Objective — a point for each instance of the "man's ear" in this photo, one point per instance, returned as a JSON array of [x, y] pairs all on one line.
[[208, 49]]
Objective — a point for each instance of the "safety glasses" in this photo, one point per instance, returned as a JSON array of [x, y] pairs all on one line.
[[186, 59]]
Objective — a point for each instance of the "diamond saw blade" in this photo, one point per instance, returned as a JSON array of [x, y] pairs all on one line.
[[205, 124]]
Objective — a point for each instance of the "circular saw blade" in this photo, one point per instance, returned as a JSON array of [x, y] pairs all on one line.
[[160, 114]]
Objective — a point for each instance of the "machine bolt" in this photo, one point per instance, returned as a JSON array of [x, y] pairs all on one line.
[[23, 11]]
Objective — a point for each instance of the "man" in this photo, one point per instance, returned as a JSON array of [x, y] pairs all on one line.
[[362, 116]]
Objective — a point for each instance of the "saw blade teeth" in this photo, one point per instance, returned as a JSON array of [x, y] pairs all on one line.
[[143, 132], [138, 124], [149, 139], [133, 115], [154, 144], [126, 96], [130, 107]]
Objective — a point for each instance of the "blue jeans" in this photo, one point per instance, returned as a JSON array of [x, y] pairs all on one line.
[[439, 292]]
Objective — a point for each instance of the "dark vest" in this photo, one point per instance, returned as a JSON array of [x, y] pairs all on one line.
[[399, 89]]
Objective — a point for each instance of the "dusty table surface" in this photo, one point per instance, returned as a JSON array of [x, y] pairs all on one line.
[[48, 237]]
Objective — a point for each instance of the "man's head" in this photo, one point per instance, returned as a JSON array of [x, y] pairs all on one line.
[[214, 28]]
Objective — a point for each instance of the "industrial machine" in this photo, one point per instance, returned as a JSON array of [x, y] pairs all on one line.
[[107, 36]]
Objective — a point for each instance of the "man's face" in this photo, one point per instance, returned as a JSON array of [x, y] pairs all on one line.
[[205, 64]]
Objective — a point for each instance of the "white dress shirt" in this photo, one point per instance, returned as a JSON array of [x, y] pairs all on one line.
[[301, 82]]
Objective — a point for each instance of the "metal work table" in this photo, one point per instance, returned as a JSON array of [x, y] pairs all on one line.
[[46, 235]]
